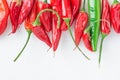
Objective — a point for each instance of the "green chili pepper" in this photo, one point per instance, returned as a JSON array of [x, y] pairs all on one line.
[[94, 15]]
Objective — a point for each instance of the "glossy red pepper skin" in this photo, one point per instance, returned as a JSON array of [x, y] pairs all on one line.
[[86, 41], [66, 9], [4, 12], [80, 25], [25, 10], [115, 17], [56, 33], [31, 17], [64, 26], [75, 9], [15, 7], [46, 17], [66, 13], [105, 27], [40, 33]]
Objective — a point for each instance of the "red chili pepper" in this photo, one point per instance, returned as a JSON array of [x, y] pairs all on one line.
[[46, 17], [115, 16], [64, 26], [105, 27], [25, 10], [66, 13], [28, 26], [15, 7], [4, 12], [86, 39], [75, 9], [40, 33], [80, 25], [56, 33], [105, 24]]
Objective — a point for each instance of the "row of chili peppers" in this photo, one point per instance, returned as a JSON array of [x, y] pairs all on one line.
[[39, 20]]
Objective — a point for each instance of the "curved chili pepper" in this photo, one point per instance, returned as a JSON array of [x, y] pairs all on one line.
[[75, 9], [105, 25], [115, 19], [66, 13], [25, 10], [28, 26], [94, 15], [46, 17], [86, 39], [4, 12], [37, 23], [38, 30], [15, 7], [56, 33], [80, 25]]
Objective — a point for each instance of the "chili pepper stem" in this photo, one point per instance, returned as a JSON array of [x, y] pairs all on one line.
[[115, 1], [29, 34], [100, 52], [67, 20], [44, 1], [74, 49], [37, 22], [83, 9], [48, 49]]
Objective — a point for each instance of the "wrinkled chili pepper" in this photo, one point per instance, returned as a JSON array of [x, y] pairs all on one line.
[[75, 9], [86, 39], [56, 33], [67, 15], [115, 16], [25, 10], [46, 17], [4, 12], [15, 7], [80, 25], [105, 24], [94, 15], [28, 26]]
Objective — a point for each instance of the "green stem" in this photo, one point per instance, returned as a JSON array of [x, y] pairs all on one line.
[[67, 20], [29, 34], [44, 1], [37, 22], [83, 9], [100, 52], [115, 1], [88, 29]]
